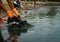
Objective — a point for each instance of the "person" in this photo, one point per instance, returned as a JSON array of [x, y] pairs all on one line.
[[18, 6], [11, 17]]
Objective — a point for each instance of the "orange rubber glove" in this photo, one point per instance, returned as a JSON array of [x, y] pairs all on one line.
[[15, 11], [9, 14]]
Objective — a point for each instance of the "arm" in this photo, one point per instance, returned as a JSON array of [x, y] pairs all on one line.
[[6, 11], [12, 7]]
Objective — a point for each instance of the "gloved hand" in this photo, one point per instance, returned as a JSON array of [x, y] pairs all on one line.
[[19, 17], [10, 20], [16, 13]]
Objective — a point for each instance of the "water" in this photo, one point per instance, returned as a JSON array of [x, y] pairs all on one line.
[[46, 22]]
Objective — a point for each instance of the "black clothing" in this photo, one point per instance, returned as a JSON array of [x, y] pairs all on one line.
[[17, 4], [13, 19]]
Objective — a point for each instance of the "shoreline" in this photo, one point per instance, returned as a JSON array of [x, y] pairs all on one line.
[[40, 3]]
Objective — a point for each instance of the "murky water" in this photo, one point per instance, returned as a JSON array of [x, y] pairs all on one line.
[[46, 22]]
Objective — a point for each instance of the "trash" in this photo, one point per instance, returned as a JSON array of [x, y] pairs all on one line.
[[22, 23]]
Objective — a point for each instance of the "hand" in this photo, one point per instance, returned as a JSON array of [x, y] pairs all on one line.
[[19, 17]]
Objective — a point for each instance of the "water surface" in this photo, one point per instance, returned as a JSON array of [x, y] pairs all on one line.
[[46, 22]]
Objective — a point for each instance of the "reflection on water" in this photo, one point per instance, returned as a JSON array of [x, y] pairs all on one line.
[[46, 21]]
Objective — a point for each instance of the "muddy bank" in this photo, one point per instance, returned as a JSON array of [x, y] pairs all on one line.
[[31, 3]]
